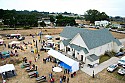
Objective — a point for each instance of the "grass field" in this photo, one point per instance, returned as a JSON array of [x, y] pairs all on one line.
[[50, 31], [45, 69]]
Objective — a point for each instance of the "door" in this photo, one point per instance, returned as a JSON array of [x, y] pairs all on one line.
[[81, 57]]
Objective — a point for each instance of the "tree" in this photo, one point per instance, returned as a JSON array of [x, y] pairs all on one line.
[[95, 15], [52, 19], [64, 21], [42, 24], [1, 13]]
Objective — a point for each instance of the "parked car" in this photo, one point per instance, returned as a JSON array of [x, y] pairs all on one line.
[[21, 38], [119, 54], [112, 67], [123, 66], [121, 71], [121, 61]]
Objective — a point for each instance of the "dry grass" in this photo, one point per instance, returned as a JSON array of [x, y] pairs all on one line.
[[45, 69]]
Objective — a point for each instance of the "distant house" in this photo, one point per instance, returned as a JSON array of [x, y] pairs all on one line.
[[46, 20], [102, 23], [87, 45]]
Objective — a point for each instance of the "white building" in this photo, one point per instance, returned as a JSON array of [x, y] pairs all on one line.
[[102, 23], [117, 25], [87, 45]]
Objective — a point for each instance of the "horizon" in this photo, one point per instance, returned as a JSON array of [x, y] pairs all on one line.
[[111, 8]]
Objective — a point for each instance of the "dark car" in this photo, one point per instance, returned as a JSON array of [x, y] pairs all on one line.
[[119, 54], [21, 38]]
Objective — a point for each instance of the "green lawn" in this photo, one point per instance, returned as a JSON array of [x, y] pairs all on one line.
[[104, 58]]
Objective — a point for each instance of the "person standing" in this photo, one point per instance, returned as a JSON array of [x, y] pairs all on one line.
[[50, 75], [51, 80], [36, 67], [67, 79], [30, 62], [4, 81], [5, 45], [38, 56], [60, 80], [68, 71]]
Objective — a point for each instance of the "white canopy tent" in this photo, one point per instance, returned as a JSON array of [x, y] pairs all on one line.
[[14, 42], [7, 67], [48, 36], [72, 63], [15, 34]]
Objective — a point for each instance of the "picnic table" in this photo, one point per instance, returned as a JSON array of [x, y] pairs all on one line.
[[32, 74], [41, 79], [26, 64], [28, 69]]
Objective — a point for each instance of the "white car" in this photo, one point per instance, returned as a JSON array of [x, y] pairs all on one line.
[[121, 71], [112, 67], [123, 66], [121, 62]]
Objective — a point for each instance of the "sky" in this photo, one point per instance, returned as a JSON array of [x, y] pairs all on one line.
[[110, 7]]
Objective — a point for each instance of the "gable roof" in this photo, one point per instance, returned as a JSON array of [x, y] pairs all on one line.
[[70, 32], [92, 57], [97, 38], [92, 38], [66, 42], [78, 48]]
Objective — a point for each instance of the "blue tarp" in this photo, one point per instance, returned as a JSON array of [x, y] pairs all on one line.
[[65, 66], [5, 52], [6, 56]]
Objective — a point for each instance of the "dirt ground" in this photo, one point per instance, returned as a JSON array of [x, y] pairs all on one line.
[[45, 69]]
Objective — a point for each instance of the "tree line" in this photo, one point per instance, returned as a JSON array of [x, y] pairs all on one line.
[[13, 18]]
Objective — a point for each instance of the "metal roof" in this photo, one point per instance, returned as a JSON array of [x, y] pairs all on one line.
[[93, 57], [92, 38], [78, 48], [66, 42]]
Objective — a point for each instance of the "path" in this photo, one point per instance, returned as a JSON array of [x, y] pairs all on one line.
[[100, 67]]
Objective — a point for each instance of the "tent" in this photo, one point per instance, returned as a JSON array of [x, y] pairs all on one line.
[[1, 41], [15, 34], [7, 71], [7, 67], [48, 37], [65, 61], [14, 42]]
